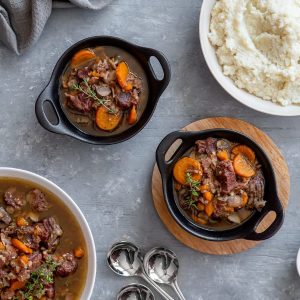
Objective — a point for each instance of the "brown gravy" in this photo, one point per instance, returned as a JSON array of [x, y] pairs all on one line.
[[91, 128], [72, 235]]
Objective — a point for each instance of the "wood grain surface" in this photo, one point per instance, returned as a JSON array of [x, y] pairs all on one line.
[[235, 246]]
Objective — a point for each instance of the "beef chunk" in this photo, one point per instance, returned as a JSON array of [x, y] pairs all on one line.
[[8, 294], [201, 146], [35, 260], [8, 253], [211, 145], [10, 229], [255, 190], [225, 174], [208, 146], [102, 66], [42, 235], [135, 81], [83, 73], [37, 200], [14, 198], [26, 234], [49, 291], [135, 97], [123, 99], [54, 233], [67, 265], [4, 279], [4, 216], [80, 102]]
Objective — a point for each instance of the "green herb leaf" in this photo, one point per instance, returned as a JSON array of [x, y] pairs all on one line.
[[35, 286], [192, 200], [92, 94]]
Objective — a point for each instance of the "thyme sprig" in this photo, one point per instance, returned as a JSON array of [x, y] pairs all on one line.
[[192, 199], [44, 275], [92, 94]]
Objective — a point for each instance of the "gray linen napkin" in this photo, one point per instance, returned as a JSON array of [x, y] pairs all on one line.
[[22, 21]]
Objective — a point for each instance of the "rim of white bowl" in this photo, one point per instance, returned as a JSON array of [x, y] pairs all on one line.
[[70, 203], [240, 95], [298, 262]]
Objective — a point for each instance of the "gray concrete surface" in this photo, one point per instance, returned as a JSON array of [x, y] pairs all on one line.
[[112, 184]]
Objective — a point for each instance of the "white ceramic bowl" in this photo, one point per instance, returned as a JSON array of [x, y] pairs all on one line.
[[239, 94], [298, 262], [67, 200]]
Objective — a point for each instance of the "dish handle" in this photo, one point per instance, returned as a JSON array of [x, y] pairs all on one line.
[[273, 228], [59, 128], [163, 83], [162, 149]]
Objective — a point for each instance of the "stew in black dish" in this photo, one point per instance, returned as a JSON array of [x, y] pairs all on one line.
[[41, 257], [103, 90], [219, 183]]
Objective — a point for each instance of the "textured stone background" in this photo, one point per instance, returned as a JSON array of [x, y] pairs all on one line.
[[112, 184]]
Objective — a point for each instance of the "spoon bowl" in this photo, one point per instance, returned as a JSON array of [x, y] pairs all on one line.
[[125, 259], [135, 292], [162, 266]]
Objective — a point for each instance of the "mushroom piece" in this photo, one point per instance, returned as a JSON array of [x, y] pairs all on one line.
[[234, 218], [103, 90]]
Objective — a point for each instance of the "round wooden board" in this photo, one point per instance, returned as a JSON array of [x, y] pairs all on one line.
[[235, 246]]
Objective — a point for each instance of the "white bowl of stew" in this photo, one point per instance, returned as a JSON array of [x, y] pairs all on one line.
[[69, 248]]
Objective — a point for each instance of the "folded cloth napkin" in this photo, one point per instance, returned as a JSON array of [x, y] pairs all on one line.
[[22, 21]]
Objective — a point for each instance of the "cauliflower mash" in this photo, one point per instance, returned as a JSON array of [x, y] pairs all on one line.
[[258, 46]]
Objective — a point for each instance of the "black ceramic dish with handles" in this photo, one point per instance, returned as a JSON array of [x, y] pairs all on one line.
[[246, 230], [51, 92]]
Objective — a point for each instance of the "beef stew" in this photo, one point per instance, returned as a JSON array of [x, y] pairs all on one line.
[[40, 257], [219, 183], [103, 91]]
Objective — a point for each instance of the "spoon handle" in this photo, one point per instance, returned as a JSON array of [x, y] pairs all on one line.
[[157, 287], [177, 290]]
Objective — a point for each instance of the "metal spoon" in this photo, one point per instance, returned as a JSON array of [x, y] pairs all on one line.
[[135, 292], [125, 259], [162, 266]]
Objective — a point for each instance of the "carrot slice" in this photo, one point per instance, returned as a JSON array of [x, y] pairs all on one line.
[[21, 222], [245, 150], [229, 209], [132, 116], [209, 208], [222, 155], [182, 167], [199, 220], [106, 120], [122, 72], [208, 196], [22, 247], [82, 56], [242, 166], [2, 246], [16, 285], [204, 188], [244, 199], [79, 252], [24, 259]]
